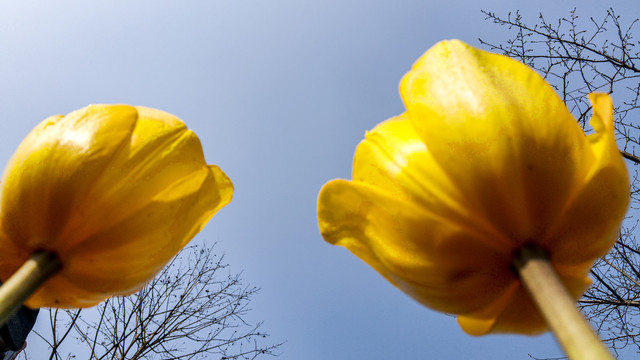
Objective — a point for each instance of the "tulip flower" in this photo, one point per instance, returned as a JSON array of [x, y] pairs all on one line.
[[485, 163], [109, 192]]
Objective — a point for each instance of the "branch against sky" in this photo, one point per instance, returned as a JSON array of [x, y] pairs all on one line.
[[194, 309]]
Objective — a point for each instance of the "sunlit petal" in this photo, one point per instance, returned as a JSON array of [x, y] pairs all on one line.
[[499, 131]]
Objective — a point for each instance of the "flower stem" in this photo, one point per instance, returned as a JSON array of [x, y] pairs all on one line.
[[24, 282], [558, 308]]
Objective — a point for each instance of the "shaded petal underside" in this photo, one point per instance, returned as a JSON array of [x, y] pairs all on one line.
[[158, 230], [515, 311], [433, 260]]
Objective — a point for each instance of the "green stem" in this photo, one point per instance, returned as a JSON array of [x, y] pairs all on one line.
[[558, 307], [24, 282]]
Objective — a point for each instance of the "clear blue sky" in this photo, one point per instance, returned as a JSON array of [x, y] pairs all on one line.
[[280, 93]]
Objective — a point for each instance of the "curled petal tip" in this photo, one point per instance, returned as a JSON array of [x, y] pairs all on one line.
[[602, 119]]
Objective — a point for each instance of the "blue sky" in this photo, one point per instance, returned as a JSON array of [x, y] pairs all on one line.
[[280, 93]]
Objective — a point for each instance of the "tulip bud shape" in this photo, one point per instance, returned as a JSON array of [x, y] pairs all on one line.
[[114, 191], [485, 160]]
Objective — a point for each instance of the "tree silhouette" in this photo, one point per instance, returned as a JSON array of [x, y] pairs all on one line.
[[193, 309]]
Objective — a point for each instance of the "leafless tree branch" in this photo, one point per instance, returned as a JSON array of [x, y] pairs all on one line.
[[194, 309]]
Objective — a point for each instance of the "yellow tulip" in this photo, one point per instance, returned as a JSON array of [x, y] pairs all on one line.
[[486, 159], [115, 191]]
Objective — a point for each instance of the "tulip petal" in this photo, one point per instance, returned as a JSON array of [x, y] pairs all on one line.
[[393, 157], [114, 255], [515, 311], [385, 152], [42, 187], [499, 132], [58, 292], [158, 230], [435, 261], [590, 225], [161, 150]]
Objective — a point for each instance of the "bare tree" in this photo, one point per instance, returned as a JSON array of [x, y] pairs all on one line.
[[194, 309], [578, 56]]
